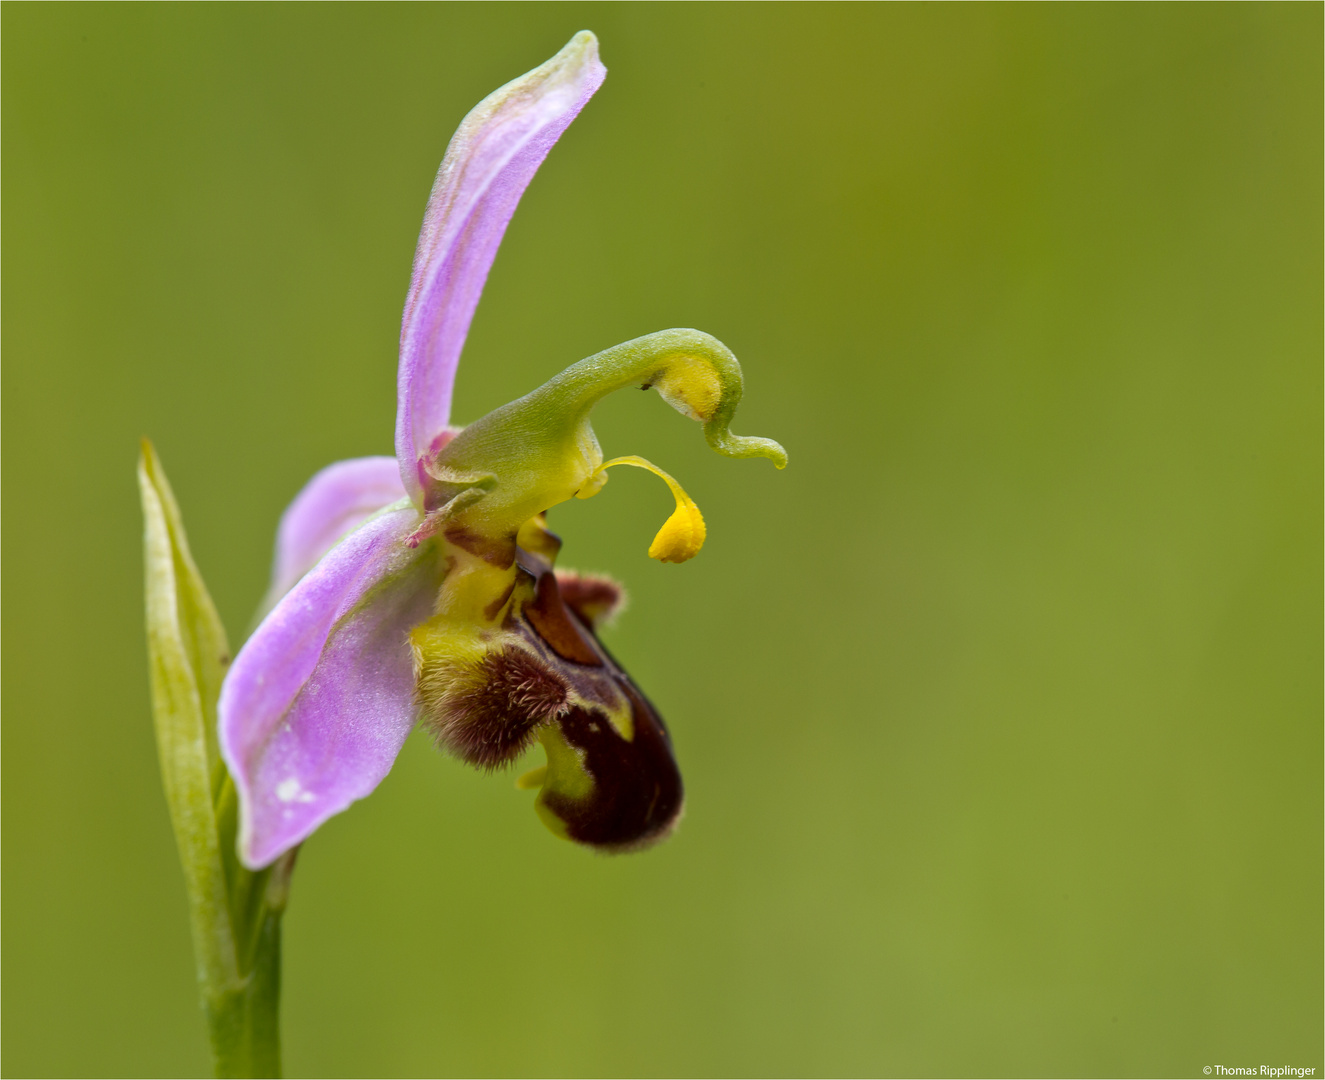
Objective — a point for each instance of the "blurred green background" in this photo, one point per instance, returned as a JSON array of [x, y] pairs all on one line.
[[999, 710]]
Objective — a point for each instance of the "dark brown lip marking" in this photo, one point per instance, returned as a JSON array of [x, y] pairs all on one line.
[[548, 616], [637, 795], [500, 552]]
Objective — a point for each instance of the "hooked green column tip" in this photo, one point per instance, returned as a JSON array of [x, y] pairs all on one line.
[[540, 450]]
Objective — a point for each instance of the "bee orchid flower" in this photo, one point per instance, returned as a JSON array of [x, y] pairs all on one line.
[[421, 589]]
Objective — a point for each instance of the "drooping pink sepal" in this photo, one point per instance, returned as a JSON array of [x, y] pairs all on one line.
[[320, 699]]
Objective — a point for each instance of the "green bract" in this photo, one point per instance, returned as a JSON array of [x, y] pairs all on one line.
[[235, 912]]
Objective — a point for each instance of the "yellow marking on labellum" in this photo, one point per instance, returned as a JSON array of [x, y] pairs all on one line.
[[549, 817], [621, 719], [470, 587], [535, 537], [565, 765], [564, 775], [682, 534], [532, 779]]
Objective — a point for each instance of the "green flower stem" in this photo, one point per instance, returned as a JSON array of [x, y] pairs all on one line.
[[243, 1019], [235, 912]]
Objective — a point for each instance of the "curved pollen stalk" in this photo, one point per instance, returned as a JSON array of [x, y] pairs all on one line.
[[682, 534]]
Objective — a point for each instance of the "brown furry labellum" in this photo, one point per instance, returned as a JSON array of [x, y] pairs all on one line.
[[545, 667], [486, 713]]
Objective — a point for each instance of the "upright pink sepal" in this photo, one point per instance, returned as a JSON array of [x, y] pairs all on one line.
[[489, 163]]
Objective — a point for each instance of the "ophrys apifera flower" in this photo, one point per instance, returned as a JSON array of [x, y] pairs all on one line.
[[422, 589]]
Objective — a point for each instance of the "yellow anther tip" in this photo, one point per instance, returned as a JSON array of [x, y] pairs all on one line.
[[681, 536]]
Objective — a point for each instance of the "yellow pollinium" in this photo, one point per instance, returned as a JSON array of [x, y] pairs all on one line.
[[682, 534]]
